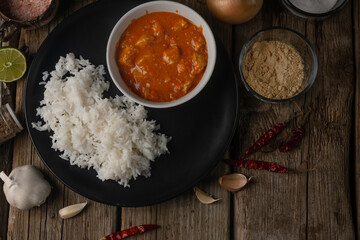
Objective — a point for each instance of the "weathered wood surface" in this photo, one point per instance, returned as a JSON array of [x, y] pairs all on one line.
[[313, 205], [356, 172], [7, 95]]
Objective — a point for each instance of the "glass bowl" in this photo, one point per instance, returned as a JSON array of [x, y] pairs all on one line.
[[296, 40], [289, 6]]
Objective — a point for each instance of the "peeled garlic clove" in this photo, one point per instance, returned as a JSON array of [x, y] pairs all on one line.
[[204, 197], [72, 210], [234, 182]]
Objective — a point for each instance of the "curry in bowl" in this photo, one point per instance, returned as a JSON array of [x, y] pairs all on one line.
[[162, 56]]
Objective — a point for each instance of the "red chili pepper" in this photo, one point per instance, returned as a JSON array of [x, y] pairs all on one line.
[[272, 132], [296, 137], [255, 164], [293, 142], [129, 232]]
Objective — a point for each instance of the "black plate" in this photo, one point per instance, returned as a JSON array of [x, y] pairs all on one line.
[[201, 129]]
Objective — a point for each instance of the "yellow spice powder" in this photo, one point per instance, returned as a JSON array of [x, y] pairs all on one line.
[[274, 69]]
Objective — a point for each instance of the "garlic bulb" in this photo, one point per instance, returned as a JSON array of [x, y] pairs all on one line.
[[25, 187]]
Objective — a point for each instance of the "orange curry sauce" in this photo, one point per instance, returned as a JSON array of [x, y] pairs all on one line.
[[162, 56]]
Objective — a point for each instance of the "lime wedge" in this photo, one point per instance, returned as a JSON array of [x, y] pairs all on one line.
[[12, 64]]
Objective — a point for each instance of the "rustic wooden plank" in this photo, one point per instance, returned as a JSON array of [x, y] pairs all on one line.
[[272, 207], [5, 160], [5, 165], [329, 211], [356, 15], [7, 95], [299, 206], [44, 222], [185, 216]]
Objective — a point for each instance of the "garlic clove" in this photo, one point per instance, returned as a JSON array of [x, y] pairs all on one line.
[[234, 182], [204, 197], [72, 210]]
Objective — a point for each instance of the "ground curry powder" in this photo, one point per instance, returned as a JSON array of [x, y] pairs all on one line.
[[274, 69]]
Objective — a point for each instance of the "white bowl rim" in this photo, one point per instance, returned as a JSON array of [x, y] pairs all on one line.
[[210, 42]]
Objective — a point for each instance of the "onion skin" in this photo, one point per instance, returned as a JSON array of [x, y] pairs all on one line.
[[234, 11]]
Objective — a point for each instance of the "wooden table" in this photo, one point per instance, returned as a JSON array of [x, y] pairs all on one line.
[[323, 204]]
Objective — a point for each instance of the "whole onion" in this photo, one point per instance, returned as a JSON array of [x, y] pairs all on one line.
[[234, 11]]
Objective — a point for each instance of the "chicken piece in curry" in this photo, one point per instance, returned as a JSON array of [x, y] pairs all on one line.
[[162, 56]]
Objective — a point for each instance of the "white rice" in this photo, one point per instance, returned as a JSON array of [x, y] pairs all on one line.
[[110, 135]]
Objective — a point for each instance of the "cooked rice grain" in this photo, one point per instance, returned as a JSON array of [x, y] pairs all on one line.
[[110, 135]]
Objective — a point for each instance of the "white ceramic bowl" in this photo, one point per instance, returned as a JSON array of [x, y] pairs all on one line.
[[159, 6]]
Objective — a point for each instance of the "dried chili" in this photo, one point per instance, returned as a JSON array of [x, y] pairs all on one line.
[[130, 231], [271, 133], [293, 142], [296, 137], [266, 137], [255, 164]]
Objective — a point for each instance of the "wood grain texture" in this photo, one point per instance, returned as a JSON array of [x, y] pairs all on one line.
[[5, 165], [329, 211], [185, 217], [273, 206], [356, 17], [314, 205], [43, 222], [7, 95], [5, 159]]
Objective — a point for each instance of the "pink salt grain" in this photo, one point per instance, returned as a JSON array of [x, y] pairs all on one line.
[[24, 10]]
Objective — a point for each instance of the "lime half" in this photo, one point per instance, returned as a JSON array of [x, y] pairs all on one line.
[[12, 64]]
